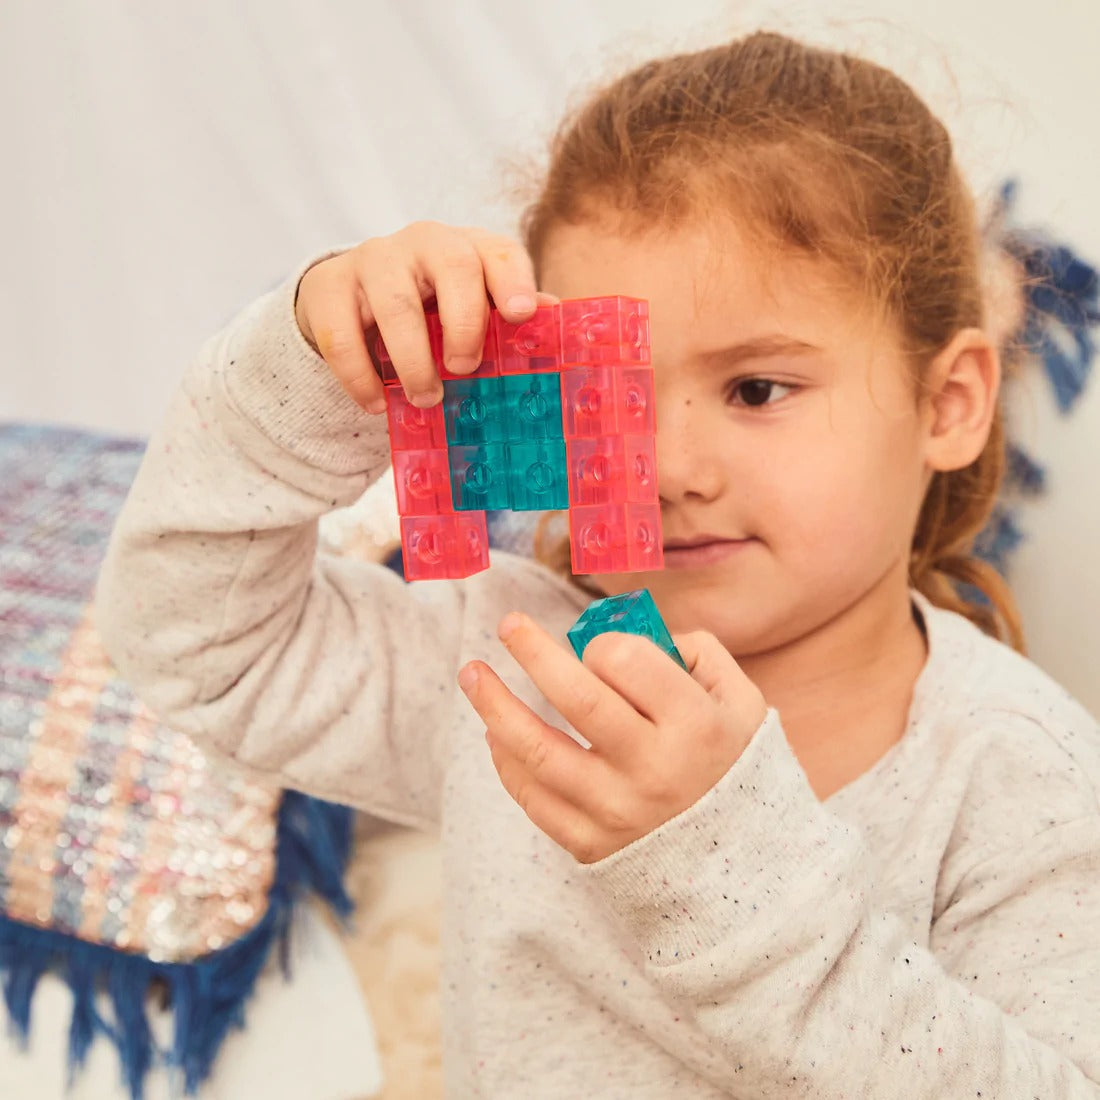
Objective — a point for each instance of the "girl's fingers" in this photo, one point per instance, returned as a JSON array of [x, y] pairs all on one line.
[[395, 303], [467, 267], [384, 282], [651, 681], [605, 719], [547, 809], [721, 677], [549, 756], [509, 273], [336, 330], [659, 688], [453, 267]]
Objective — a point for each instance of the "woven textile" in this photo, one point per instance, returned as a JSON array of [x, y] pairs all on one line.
[[118, 842]]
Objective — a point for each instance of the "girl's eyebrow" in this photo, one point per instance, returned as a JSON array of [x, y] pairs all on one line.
[[759, 347]]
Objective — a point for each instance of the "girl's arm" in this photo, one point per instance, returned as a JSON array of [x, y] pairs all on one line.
[[755, 911], [758, 909], [326, 674]]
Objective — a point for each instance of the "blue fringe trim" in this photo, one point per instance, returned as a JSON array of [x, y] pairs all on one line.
[[998, 539], [1022, 472], [208, 995], [1062, 304]]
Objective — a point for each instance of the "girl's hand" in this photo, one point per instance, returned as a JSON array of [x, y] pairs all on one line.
[[660, 737], [385, 281]]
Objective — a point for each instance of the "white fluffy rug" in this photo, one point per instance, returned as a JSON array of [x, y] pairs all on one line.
[[394, 880], [393, 946]]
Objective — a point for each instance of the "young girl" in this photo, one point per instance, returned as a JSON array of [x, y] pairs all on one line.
[[856, 850]]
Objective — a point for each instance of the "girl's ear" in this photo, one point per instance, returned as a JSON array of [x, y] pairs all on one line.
[[961, 388]]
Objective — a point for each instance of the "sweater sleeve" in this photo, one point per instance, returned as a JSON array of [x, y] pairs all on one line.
[[773, 949], [325, 674]]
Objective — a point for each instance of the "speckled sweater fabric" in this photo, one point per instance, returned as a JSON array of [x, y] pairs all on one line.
[[931, 930]]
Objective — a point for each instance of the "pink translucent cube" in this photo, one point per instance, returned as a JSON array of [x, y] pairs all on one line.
[[530, 346], [607, 401], [605, 330], [588, 402], [444, 547], [612, 469], [616, 538], [413, 429], [423, 482]]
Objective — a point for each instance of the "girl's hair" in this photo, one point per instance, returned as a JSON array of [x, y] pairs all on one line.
[[838, 159]]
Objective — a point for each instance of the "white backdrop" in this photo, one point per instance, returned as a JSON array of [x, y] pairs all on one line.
[[166, 162]]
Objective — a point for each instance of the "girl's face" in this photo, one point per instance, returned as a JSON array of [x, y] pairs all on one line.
[[789, 435]]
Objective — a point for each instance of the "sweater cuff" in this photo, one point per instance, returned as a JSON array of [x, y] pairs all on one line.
[[288, 391], [731, 865]]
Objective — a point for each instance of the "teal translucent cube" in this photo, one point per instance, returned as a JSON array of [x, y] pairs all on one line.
[[473, 411], [479, 477], [538, 476], [628, 613], [532, 406]]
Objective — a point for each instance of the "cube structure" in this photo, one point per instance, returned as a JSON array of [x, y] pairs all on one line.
[[558, 415], [628, 613]]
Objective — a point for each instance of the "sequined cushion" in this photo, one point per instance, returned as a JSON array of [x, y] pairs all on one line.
[[113, 828]]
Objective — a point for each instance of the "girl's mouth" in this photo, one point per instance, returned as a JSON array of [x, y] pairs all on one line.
[[707, 550]]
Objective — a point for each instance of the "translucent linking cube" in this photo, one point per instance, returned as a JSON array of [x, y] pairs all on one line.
[[613, 469], [523, 477], [413, 429], [559, 414], [423, 482], [628, 613], [605, 400], [616, 538], [439, 547]]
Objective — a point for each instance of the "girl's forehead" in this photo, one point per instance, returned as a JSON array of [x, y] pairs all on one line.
[[700, 277]]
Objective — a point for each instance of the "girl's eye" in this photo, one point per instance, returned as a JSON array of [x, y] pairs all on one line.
[[757, 391]]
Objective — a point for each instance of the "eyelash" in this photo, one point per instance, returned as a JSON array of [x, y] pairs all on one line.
[[735, 387]]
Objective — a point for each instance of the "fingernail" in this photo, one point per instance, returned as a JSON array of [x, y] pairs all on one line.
[[463, 364], [378, 405], [520, 303], [467, 678], [509, 625]]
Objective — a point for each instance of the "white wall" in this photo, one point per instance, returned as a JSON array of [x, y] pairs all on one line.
[[166, 162]]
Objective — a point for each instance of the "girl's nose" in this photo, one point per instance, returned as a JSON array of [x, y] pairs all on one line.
[[688, 460]]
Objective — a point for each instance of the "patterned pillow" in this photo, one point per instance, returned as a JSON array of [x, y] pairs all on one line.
[[125, 858]]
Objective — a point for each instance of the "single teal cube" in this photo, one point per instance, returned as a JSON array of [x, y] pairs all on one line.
[[479, 477], [532, 406], [628, 613], [538, 476], [473, 411]]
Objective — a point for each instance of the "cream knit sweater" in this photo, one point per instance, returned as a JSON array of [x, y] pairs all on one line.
[[931, 930]]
